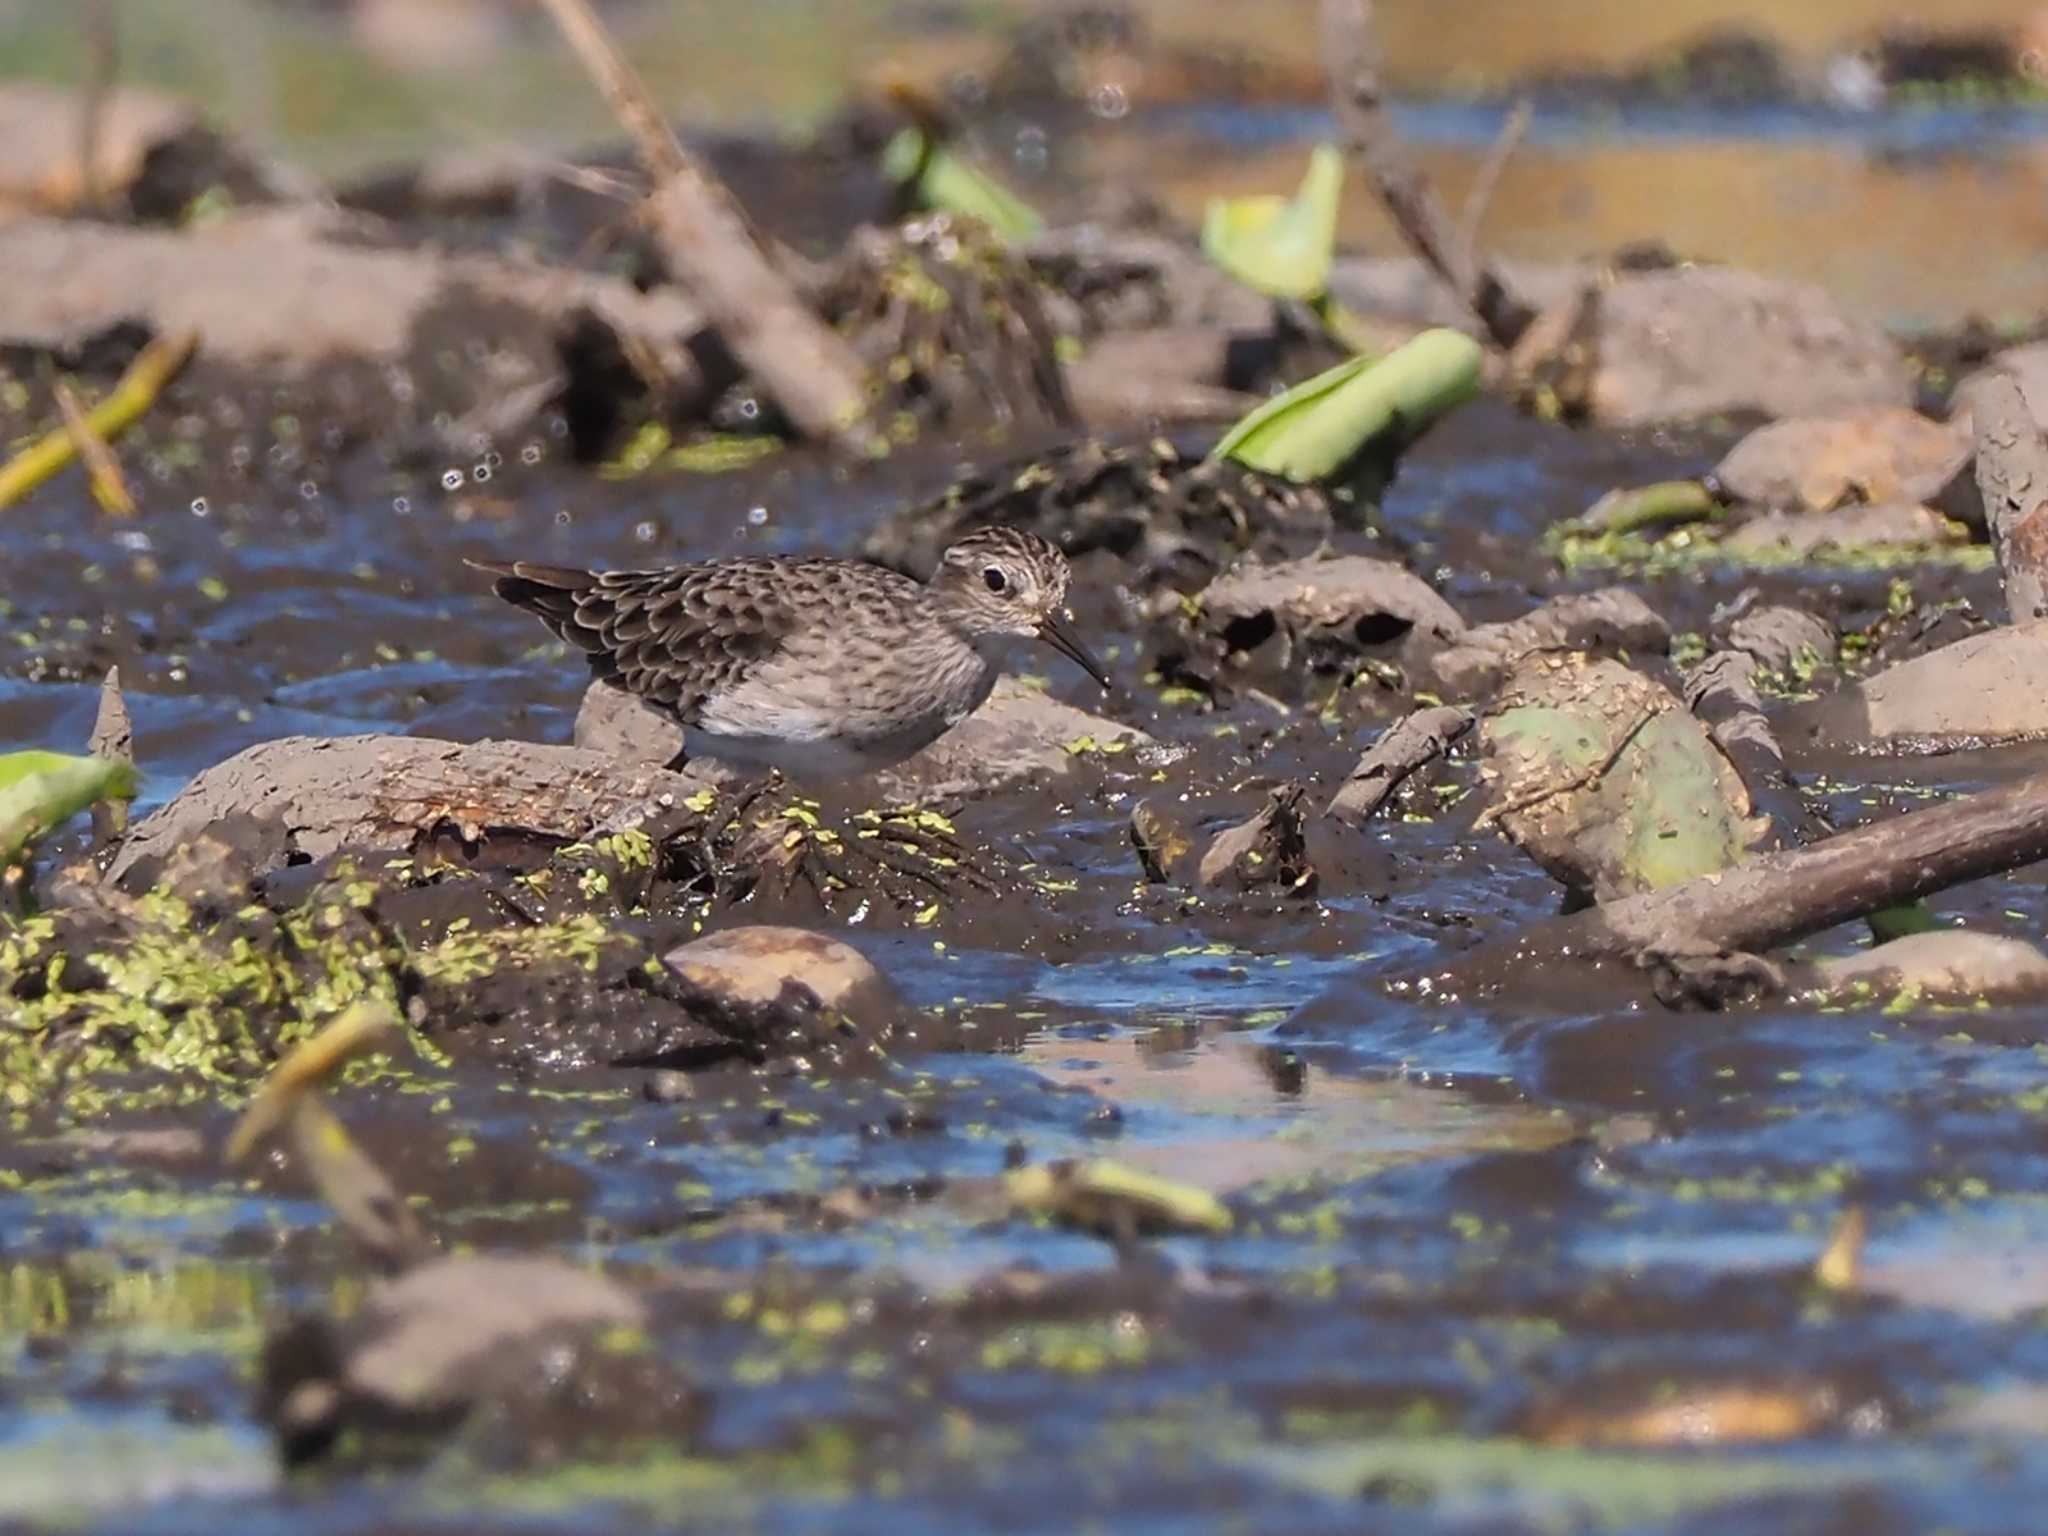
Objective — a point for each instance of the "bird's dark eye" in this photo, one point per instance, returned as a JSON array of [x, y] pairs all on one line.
[[997, 582]]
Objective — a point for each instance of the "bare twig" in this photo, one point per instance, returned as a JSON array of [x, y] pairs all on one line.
[[102, 469], [706, 242], [1352, 47], [1480, 198], [101, 63], [2012, 476], [1578, 781]]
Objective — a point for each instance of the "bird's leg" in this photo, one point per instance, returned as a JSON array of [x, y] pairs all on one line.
[[675, 764]]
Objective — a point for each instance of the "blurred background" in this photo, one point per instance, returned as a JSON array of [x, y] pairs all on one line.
[[1893, 153]]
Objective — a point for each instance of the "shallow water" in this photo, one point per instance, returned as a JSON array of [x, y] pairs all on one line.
[[1453, 1213]]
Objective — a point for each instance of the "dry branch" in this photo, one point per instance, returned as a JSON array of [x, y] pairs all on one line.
[[1780, 898], [705, 241], [1487, 181], [1352, 46], [2012, 476], [101, 64]]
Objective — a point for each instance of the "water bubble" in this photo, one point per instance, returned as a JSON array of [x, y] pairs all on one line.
[[494, 458], [530, 454], [402, 505], [1031, 152], [308, 490], [749, 409], [645, 532], [757, 515], [480, 472], [451, 479], [199, 506], [557, 427], [1109, 101], [563, 518]]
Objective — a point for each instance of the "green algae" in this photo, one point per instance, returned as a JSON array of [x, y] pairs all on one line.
[[1692, 549], [212, 1002]]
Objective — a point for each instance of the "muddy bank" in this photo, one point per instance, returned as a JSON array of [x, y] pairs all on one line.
[[1138, 1106]]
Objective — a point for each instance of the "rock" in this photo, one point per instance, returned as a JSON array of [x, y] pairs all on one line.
[[1779, 638], [1797, 535], [2027, 366], [1299, 616], [1350, 593], [1610, 619], [432, 1345], [788, 992], [1018, 733], [154, 154], [615, 723], [264, 298], [1137, 378], [1608, 781], [1816, 463], [1680, 343], [1982, 690], [1690, 342], [753, 964], [1951, 964]]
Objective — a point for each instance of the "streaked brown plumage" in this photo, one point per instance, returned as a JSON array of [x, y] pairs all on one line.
[[822, 668]]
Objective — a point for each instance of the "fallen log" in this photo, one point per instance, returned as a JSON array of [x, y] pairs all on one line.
[[385, 791], [1779, 898]]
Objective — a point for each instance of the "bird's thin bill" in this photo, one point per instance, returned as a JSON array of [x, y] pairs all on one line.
[[1054, 632]]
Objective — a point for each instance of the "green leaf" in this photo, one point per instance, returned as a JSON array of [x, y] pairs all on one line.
[[1316, 428], [952, 185], [41, 790], [1280, 245]]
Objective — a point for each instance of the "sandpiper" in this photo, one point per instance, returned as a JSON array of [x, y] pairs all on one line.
[[817, 668]]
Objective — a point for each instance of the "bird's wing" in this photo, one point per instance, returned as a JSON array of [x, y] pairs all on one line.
[[673, 636]]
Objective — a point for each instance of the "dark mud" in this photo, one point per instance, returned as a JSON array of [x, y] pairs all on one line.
[[1535, 1250]]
